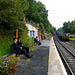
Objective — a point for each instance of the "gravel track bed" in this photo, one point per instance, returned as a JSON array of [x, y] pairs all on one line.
[[72, 42]]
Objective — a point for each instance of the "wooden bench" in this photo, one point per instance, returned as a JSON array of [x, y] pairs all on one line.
[[16, 52]]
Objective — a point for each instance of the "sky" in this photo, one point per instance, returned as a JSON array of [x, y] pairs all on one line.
[[60, 11]]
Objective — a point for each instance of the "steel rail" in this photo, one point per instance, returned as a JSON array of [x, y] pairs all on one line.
[[66, 48], [70, 44]]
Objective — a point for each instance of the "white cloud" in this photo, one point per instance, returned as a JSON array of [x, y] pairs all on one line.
[[60, 11]]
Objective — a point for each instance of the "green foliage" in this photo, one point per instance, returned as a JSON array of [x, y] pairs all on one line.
[[38, 14], [32, 22], [5, 42], [72, 38], [8, 64], [22, 28], [60, 30], [42, 27], [11, 11], [27, 41], [66, 27], [69, 27], [51, 30], [73, 29], [49, 35]]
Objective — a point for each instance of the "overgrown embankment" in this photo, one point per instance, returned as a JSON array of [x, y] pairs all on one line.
[[7, 40]]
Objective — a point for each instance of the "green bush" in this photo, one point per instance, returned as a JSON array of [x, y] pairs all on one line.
[[27, 41], [5, 42]]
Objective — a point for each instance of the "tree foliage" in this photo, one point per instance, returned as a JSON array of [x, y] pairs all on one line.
[[39, 15], [12, 13], [69, 27], [60, 30], [73, 29]]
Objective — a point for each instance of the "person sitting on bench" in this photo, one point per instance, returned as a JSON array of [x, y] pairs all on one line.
[[21, 44], [37, 40], [16, 47]]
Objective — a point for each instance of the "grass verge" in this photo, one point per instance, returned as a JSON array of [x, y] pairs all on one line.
[[72, 38]]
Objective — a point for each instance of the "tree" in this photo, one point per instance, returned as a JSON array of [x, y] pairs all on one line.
[[39, 15], [11, 12], [73, 29], [68, 26]]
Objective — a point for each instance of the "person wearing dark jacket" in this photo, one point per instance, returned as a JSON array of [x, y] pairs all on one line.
[[21, 44], [19, 48], [37, 39]]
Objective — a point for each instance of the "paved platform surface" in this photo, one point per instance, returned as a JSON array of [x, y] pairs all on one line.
[[54, 67], [38, 64], [45, 42]]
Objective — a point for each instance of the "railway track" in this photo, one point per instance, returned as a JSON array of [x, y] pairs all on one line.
[[71, 44], [67, 55]]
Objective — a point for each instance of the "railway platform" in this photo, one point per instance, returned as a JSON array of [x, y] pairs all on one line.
[[55, 66]]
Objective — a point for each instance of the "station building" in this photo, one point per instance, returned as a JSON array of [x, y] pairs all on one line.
[[33, 30]]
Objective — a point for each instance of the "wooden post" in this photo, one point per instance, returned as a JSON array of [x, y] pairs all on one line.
[[16, 33], [24, 20]]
